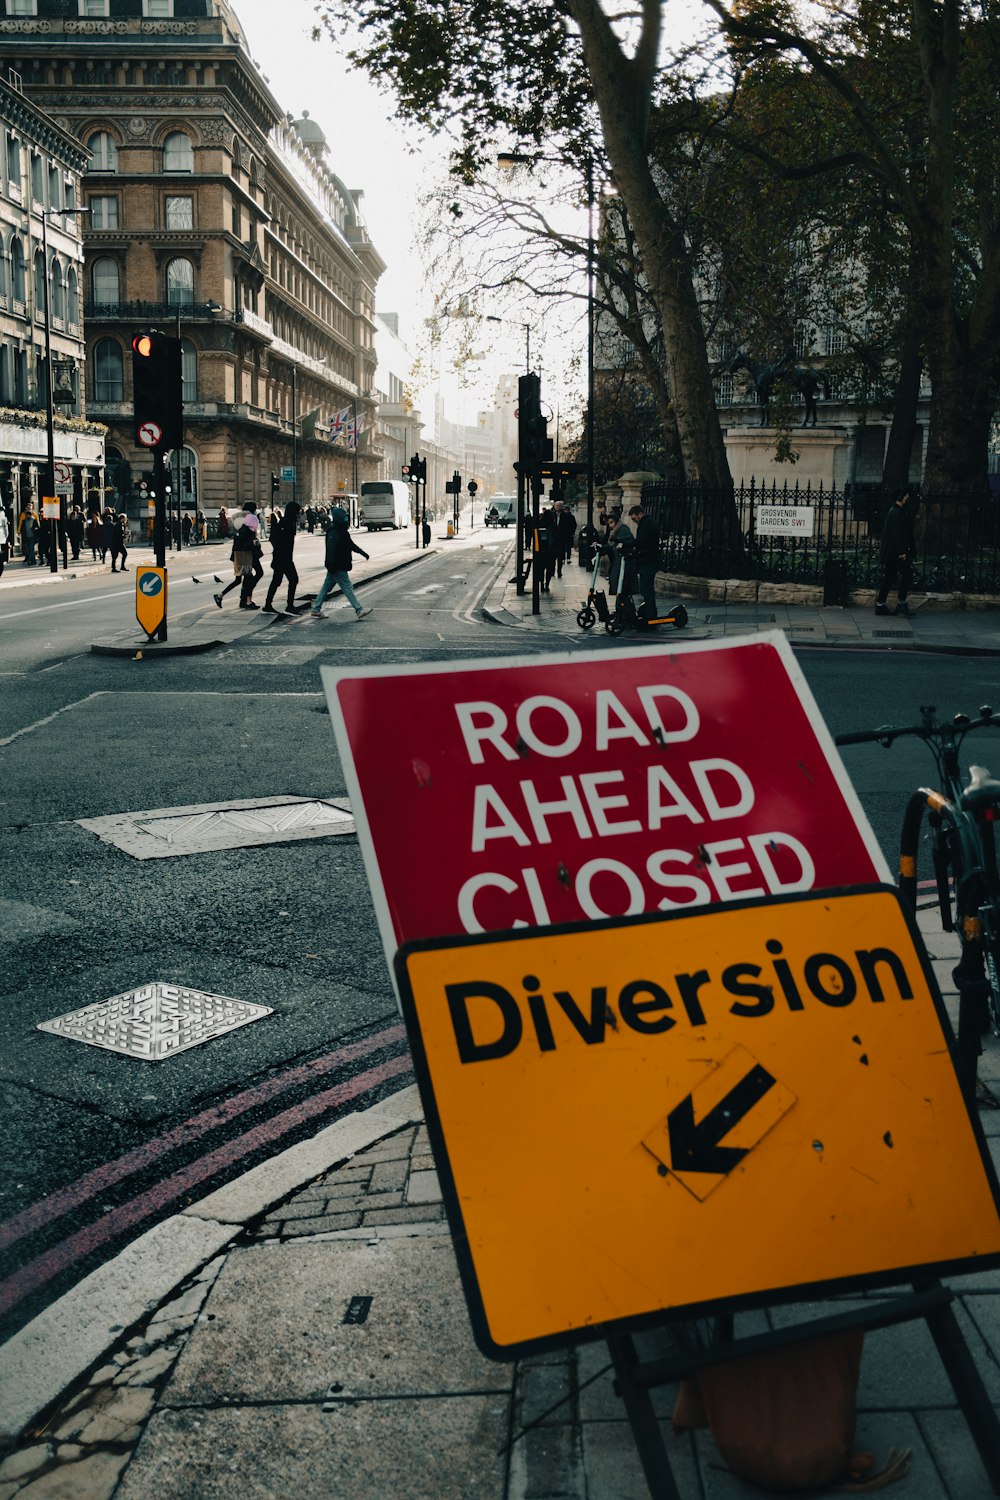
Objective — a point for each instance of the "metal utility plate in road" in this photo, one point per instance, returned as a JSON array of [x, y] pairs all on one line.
[[155, 1021], [164, 832]]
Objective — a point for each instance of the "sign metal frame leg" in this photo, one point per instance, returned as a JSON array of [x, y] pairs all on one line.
[[929, 1300], [642, 1420]]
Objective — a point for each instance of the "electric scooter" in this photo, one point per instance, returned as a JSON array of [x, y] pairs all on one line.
[[632, 614], [629, 614]]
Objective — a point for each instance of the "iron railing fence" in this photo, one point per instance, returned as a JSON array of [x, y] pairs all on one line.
[[826, 537]]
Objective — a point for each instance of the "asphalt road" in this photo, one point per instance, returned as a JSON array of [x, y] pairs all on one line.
[[97, 1146]]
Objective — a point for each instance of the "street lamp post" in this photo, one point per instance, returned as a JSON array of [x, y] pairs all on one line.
[[50, 427], [491, 318]]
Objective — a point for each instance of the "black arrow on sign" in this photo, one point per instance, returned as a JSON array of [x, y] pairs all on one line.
[[696, 1148]]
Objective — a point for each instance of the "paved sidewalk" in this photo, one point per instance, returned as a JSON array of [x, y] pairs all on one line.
[[303, 1332], [929, 628]]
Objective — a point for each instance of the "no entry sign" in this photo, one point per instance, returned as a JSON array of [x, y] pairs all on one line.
[[726, 1107], [523, 793]]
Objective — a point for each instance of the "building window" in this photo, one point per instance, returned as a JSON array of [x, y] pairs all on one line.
[[164, 8], [22, 7], [72, 300], [834, 339], [57, 297], [104, 211], [103, 152], [93, 8], [189, 371], [17, 270], [179, 213], [106, 282], [36, 178], [180, 282], [109, 380], [178, 153], [14, 164], [39, 285], [55, 182]]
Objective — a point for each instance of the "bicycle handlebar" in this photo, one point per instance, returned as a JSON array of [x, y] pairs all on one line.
[[929, 730]]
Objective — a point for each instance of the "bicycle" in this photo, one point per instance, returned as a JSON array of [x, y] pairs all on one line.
[[964, 861]]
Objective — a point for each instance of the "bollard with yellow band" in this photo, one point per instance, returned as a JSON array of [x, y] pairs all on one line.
[[151, 601]]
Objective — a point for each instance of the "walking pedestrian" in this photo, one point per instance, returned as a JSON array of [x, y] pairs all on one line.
[[565, 532], [94, 535], [896, 556], [339, 547], [200, 531], [122, 534], [282, 566], [645, 557], [246, 555], [548, 548], [186, 529], [28, 529], [4, 538], [109, 537], [223, 522]]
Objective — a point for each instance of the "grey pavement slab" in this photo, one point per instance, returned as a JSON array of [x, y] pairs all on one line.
[[364, 1450], [415, 1339]]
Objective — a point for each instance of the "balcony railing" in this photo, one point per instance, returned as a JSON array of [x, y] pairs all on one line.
[[165, 313]]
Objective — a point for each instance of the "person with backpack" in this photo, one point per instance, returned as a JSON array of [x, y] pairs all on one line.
[[246, 555], [339, 548]]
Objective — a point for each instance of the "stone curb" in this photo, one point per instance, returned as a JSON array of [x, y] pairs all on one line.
[[72, 1335]]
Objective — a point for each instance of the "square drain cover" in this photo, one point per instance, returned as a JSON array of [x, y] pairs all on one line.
[[165, 832], [155, 1021]]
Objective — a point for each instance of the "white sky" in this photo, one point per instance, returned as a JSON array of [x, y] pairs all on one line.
[[367, 150]]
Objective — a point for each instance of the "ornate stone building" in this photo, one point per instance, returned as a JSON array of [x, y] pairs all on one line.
[[41, 270], [214, 217]]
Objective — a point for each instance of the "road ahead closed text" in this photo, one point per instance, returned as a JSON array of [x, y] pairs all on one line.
[[529, 794]]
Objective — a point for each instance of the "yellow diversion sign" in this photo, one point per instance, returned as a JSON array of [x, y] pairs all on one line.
[[734, 1106]]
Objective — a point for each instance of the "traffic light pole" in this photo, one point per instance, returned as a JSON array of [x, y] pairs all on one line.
[[160, 517]]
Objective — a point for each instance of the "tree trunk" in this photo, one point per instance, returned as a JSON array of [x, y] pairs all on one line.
[[622, 90], [899, 447]]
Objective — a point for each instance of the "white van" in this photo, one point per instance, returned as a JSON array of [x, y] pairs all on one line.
[[502, 510], [385, 503]]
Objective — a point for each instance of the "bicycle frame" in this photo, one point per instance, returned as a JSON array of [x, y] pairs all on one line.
[[965, 868]]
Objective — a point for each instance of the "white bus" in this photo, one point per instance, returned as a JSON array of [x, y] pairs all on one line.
[[384, 503]]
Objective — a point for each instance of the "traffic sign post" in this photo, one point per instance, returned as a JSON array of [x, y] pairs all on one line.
[[584, 786], [671, 1118], [637, 1028], [773, 1076], [151, 601]]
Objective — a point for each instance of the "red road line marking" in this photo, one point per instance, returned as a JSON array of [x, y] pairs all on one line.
[[32, 1277], [100, 1178]]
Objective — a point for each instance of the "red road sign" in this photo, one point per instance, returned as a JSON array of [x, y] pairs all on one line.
[[150, 434], [534, 791]]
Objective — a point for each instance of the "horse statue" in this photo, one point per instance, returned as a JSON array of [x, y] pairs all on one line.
[[763, 376], [807, 382]]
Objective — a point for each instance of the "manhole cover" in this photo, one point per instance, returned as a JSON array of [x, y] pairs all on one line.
[[155, 1021], [166, 832]]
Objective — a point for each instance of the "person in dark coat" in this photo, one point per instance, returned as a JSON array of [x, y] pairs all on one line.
[[565, 532], [94, 535], [282, 566], [645, 557], [74, 528], [896, 556], [339, 548]]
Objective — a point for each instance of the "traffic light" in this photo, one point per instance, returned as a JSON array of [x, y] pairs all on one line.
[[532, 428], [156, 391], [418, 467], [275, 482]]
